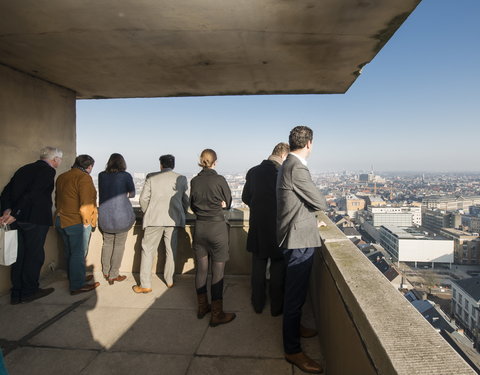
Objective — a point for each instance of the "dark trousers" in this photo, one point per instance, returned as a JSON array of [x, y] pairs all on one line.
[[25, 271], [276, 287], [299, 264]]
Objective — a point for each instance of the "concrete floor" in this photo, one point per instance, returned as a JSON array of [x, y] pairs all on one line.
[[114, 331]]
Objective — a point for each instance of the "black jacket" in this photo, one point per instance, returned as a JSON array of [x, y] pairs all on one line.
[[29, 193], [207, 191], [259, 193]]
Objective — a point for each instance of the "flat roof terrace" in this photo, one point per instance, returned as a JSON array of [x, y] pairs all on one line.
[[115, 331], [365, 325]]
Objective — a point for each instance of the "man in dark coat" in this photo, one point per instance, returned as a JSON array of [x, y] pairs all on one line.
[[26, 205], [259, 193]]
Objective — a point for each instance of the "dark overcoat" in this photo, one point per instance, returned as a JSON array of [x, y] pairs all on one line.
[[259, 193], [29, 194]]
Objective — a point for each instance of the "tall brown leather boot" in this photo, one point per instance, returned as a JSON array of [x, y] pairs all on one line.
[[218, 315], [203, 305]]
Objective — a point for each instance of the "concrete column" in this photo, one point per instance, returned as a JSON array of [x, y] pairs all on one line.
[[33, 114]]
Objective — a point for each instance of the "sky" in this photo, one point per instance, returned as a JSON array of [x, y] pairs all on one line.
[[415, 107]]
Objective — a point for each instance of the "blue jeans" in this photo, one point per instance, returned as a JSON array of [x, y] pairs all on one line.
[[75, 240], [299, 264], [3, 370]]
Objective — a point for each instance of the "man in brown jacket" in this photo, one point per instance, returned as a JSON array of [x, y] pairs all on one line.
[[76, 214]]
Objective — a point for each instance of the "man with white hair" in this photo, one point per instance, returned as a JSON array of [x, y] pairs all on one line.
[[26, 205]]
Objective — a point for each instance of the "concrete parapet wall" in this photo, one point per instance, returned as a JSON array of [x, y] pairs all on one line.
[[33, 114], [239, 263], [366, 326]]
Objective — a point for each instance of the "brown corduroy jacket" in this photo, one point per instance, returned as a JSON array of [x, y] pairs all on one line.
[[76, 199]]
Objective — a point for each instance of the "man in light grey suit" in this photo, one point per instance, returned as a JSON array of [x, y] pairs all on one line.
[[297, 234], [164, 203]]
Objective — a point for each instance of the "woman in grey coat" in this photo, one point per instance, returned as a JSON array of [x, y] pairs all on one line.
[[115, 214]]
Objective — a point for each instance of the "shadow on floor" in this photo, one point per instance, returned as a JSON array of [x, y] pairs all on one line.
[[115, 331]]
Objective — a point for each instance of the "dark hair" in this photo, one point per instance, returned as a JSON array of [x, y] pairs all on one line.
[[207, 158], [281, 149], [83, 161], [116, 163], [299, 137], [167, 161]]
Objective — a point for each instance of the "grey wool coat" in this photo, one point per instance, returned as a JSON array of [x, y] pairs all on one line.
[[297, 201]]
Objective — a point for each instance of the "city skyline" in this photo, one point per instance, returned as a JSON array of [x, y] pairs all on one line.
[[413, 108]]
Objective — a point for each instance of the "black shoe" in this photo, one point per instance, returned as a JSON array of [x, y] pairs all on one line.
[[15, 300], [40, 293], [258, 308]]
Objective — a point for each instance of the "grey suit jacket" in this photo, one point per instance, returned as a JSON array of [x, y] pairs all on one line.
[[163, 199], [297, 200]]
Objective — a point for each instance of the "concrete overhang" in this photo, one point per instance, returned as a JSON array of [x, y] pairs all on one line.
[[155, 48]]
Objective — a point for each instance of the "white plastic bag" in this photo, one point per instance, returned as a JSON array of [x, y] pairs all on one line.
[[8, 245]]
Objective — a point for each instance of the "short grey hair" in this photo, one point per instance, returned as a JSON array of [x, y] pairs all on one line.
[[50, 153]]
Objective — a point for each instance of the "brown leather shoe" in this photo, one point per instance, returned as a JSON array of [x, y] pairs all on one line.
[[118, 278], [218, 316], [85, 288], [169, 286], [139, 289], [304, 363], [307, 332]]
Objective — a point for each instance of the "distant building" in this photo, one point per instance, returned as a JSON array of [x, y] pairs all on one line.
[[466, 306], [369, 229], [375, 201], [400, 216], [450, 203], [474, 210], [376, 254], [364, 177], [351, 204], [435, 220], [465, 245], [411, 245], [471, 223], [387, 269], [370, 177], [343, 221], [351, 233]]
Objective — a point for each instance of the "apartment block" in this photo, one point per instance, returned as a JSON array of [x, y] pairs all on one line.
[[435, 220], [466, 245], [466, 306]]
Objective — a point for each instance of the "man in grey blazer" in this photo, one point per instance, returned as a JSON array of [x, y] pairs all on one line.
[[297, 233], [164, 203]]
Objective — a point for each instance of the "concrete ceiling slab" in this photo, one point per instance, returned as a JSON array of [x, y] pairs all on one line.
[[154, 48]]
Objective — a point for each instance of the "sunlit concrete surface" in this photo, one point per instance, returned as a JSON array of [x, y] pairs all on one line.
[[151, 48], [115, 331]]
